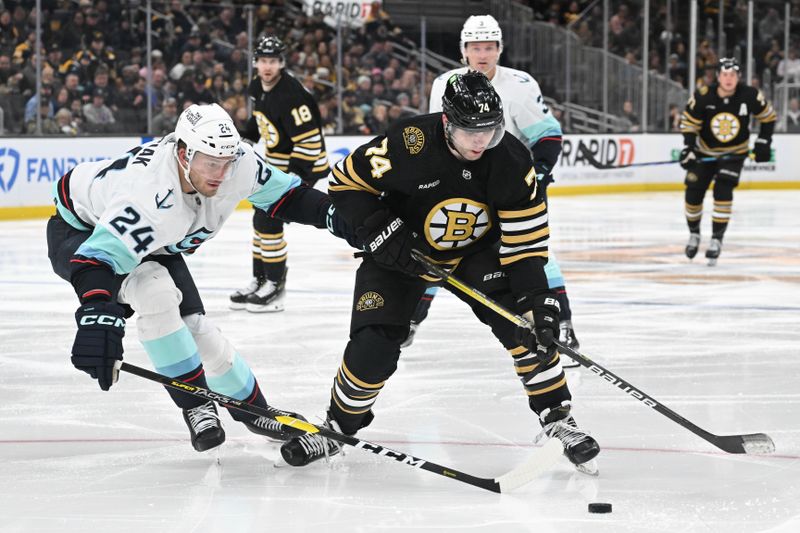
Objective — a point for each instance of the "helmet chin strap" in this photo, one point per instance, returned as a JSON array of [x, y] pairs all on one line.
[[185, 169], [449, 139]]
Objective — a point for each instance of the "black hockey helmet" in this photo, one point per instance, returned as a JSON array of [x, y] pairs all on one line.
[[470, 103], [728, 63], [269, 46]]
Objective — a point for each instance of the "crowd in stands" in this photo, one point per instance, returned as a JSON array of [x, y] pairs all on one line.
[[94, 65], [625, 34]]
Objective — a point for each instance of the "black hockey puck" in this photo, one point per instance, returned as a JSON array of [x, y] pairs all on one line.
[[599, 507]]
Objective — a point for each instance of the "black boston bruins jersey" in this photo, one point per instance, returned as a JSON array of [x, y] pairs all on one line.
[[460, 207], [288, 119], [722, 125]]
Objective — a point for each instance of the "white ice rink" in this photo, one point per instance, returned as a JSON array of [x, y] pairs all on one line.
[[719, 345]]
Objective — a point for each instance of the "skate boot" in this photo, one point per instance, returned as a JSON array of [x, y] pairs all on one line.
[[239, 298], [714, 249], [271, 428], [268, 298], [579, 447], [308, 448], [692, 245], [204, 426], [412, 330], [568, 339]]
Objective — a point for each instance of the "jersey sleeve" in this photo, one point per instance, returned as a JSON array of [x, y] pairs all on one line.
[[524, 230], [269, 183], [357, 182], [762, 109], [691, 119], [125, 233]]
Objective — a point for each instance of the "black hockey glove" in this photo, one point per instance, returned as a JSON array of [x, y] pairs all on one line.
[[389, 241], [540, 341], [762, 150], [98, 343], [687, 158]]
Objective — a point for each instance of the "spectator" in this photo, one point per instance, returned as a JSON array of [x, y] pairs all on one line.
[[165, 122], [378, 121], [33, 104], [789, 68], [770, 26], [66, 124], [99, 118], [49, 125], [793, 116], [630, 116]]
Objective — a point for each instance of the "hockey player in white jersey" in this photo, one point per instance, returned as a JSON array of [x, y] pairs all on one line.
[[527, 118], [118, 235]]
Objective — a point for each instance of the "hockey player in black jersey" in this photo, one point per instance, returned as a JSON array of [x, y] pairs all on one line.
[[716, 123], [286, 116], [455, 186]]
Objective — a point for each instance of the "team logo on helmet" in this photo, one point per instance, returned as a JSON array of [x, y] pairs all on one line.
[[414, 139], [369, 301], [725, 126], [456, 222]]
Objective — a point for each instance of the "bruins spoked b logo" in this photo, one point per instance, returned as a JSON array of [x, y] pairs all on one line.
[[725, 126], [456, 222], [369, 300], [267, 129]]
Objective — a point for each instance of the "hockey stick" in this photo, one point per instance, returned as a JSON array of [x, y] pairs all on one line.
[[538, 462], [754, 443], [605, 166]]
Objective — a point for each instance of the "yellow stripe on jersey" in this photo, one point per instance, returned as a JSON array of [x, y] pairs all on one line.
[[305, 135], [351, 172], [304, 157], [309, 145], [548, 389], [278, 155], [741, 148], [523, 212]]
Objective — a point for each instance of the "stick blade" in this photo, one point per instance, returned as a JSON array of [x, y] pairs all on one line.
[[758, 444], [752, 444], [539, 461]]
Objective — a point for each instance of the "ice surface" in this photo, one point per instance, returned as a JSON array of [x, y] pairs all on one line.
[[718, 345]]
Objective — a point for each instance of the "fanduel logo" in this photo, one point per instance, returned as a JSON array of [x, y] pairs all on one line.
[[9, 165]]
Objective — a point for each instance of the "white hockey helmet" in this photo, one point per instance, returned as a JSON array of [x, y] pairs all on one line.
[[481, 28], [207, 129]]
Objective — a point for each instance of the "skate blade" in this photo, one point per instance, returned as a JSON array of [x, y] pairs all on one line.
[[589, 468], [237, 307]]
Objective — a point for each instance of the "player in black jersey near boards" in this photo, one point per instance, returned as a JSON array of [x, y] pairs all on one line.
[[716, 123], [455, 186], [287, 117]]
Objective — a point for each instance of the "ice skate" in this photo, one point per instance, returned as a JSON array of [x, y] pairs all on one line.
[[568, 339], [308, 448], [204, 426], [239, 298], [268, 298], [713, 251], [692, 245], [271, 428], [579, 447]]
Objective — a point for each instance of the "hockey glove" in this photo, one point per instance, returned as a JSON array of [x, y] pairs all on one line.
[[98, 343], [540, 340], [762, 150], [687, 157], [389, 241]]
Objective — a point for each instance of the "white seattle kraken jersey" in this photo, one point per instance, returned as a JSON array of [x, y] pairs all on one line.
[[527, 116], [134, 206]]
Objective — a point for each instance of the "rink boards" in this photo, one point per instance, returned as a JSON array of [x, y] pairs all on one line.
[[29, 166]]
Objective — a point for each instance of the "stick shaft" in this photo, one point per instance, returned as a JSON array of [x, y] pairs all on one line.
[[302, 426], [730, 443]]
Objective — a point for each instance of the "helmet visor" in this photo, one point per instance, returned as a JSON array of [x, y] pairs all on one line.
[[212, 169], [477, 139]]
